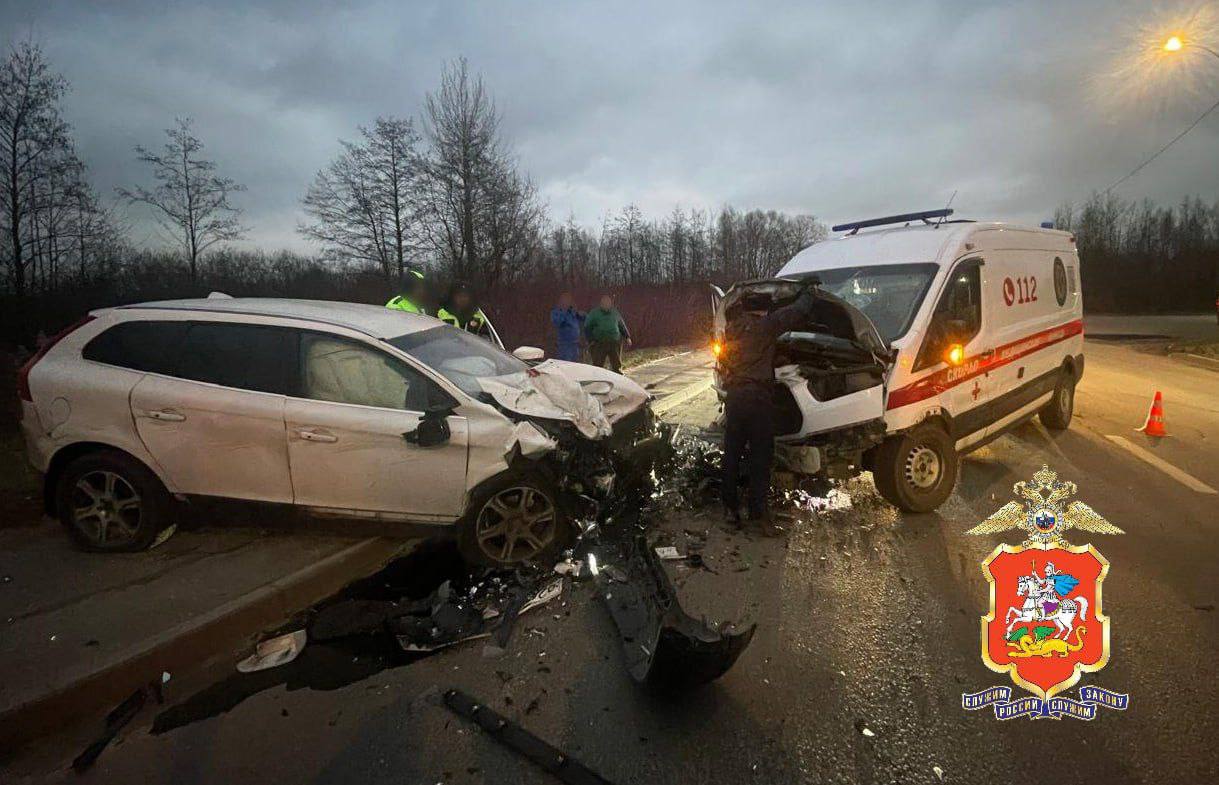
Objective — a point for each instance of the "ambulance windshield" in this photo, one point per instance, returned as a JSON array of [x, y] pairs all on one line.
[[888, 294]]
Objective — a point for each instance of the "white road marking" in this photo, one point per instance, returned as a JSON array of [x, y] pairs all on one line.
[[1187, 480], [681, 396], [634, 368]]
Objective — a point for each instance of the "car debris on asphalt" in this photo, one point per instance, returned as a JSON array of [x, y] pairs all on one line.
[[446, 617], [274, 652], [117, 719], [521, 741], [664, 646]]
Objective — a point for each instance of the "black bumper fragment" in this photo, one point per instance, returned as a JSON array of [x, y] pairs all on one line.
[[664, 646]]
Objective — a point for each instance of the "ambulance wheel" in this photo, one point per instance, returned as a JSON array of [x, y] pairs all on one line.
[[1056, 415], [513, 519], [916, 471]]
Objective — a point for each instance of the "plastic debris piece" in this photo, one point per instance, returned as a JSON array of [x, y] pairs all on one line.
[[164, 535], [668, 552], [939, 773], [271, 653], [116, 720], [665, 646], [450, 623], [521, 741]]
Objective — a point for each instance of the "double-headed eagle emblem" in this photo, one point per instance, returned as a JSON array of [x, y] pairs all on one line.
[[1042, 514]]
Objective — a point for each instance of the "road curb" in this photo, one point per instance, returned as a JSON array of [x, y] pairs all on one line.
[[192, 642], [1197, 360]]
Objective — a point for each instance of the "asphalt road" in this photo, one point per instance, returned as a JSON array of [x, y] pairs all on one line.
[[867, 637]]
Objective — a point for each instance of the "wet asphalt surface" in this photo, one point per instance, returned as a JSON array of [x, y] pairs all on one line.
[[867, 636]]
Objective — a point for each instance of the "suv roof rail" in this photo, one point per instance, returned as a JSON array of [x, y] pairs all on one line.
[[923, 215]]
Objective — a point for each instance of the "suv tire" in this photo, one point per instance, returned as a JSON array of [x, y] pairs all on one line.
[[111, 503], [1056, 415], [512, 519], [916, 470]]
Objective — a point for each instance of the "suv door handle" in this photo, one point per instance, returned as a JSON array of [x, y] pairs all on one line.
[[317, 436], [166, 415]]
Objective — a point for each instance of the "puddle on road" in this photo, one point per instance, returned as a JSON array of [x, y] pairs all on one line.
[[333, 664]]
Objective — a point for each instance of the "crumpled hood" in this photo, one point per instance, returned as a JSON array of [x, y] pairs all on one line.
[[590, 398]]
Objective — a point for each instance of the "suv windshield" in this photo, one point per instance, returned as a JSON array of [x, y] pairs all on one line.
[[888, 294], [458, 356]]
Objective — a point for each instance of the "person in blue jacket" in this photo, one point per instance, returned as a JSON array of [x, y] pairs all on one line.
[[568, 324]]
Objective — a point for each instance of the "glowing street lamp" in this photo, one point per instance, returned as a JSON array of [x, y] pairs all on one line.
[[1174, 44]]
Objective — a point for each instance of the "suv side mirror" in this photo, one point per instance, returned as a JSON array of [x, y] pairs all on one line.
[[530, 354], [432, 430]]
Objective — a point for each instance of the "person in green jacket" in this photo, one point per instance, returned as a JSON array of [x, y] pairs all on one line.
[[412, 297], [607, 333]]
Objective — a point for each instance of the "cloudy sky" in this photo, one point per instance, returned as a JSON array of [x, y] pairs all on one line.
[[842, 110]]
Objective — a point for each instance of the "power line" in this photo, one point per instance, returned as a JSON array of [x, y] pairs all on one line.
[[1157, 154]]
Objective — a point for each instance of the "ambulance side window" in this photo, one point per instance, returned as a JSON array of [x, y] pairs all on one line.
[[957, 317]]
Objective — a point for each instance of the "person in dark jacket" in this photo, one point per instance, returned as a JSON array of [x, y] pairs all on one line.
[[748, 375], [568, 324], [462, 312], [606, 332]]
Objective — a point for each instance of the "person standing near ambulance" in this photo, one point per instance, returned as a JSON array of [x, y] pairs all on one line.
[[748, 372]]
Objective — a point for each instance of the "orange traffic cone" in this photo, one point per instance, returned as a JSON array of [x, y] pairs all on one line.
[[1155, 417]]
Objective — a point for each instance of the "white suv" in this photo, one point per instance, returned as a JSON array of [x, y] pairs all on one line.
[[342, 409]]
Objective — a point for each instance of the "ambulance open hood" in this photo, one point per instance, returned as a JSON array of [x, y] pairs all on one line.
[[835, 324]]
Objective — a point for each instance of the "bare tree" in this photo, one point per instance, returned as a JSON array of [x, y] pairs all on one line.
[[190, 201], [363, 205], [34, 140], [481, 216]]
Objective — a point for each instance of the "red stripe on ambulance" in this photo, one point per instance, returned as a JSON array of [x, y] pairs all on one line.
[[947, 378]]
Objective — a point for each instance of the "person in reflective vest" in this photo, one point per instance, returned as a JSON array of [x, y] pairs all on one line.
[[411, 298], [462, 312]]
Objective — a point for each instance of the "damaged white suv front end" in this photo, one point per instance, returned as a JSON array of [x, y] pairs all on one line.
[[546, 442]]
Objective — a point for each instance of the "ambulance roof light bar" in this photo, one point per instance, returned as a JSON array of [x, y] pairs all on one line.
[[925, 216]]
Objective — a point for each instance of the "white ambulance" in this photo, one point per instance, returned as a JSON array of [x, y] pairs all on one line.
[[931, 338]]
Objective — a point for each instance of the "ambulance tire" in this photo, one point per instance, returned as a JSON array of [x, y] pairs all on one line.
[[916, 471], [1056, 415]]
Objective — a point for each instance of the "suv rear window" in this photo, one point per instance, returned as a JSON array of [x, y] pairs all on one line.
[[141, 346], [245, 356]]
